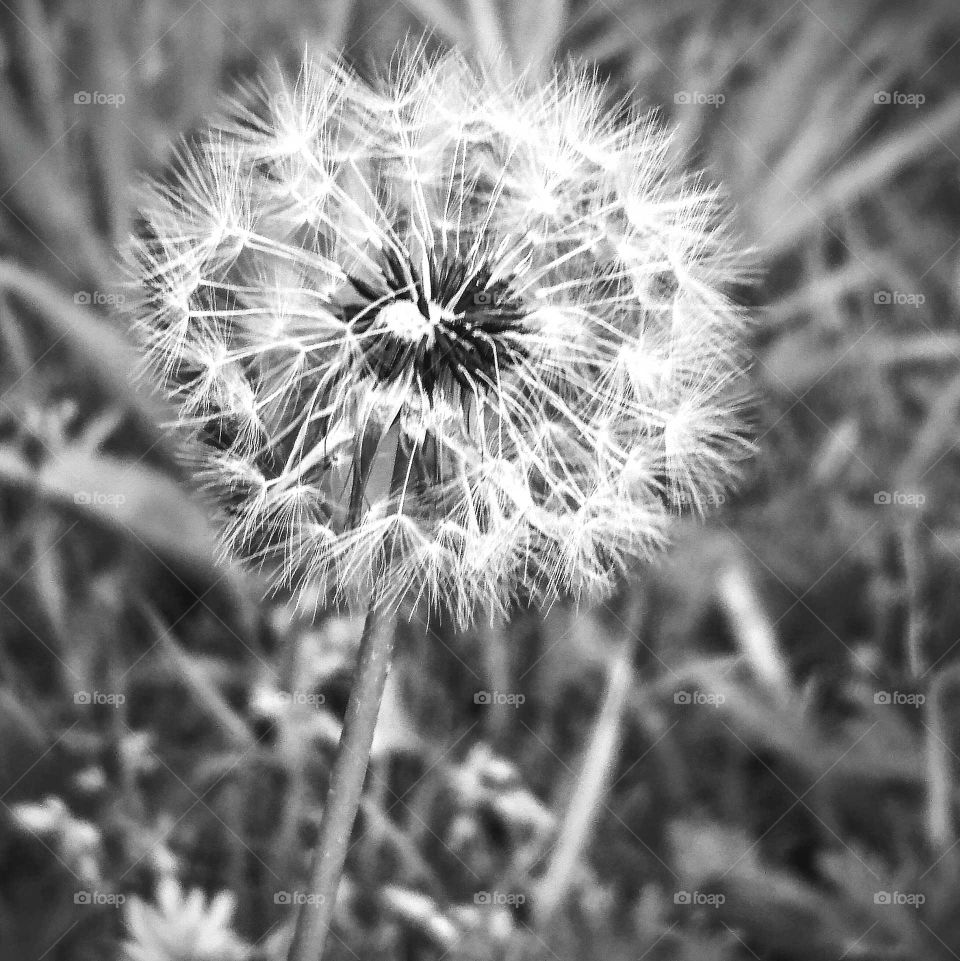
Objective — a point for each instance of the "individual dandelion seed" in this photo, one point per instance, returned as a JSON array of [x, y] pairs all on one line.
[[445, 341]]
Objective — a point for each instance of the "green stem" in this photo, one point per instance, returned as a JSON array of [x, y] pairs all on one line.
[[346, 784]]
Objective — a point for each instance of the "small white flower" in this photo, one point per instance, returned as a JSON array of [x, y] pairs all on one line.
[[78, 844], [182, 926], [448, 339]]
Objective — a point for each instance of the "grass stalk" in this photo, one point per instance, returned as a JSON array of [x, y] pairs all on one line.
[[592, 784]]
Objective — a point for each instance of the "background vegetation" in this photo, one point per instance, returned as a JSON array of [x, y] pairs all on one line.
[[751, 752]]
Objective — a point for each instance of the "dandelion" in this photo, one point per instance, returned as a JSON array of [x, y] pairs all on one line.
[[448, 341], [451, 342]]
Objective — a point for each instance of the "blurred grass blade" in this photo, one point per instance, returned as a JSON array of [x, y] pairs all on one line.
[[536, 28], [137, 501], [593, 780], [940, 758], [206, 694], [438, 15], [487, 31], [752, 628], [35, 189], [867, 172], [93, 340]]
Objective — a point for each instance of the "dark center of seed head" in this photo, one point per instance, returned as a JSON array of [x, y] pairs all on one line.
[[468, 332]]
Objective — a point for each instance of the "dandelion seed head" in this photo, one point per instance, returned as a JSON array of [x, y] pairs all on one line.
[[444, 339]]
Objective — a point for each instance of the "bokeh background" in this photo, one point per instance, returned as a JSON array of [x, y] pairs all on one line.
[[751, 752]]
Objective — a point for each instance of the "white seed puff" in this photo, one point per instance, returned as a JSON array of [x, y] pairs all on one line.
[[444, 340]]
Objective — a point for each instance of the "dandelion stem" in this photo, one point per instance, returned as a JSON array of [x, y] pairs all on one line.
[[346, 784], [496, 652]]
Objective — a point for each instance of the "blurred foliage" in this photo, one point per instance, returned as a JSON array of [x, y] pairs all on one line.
[[776, 778]]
